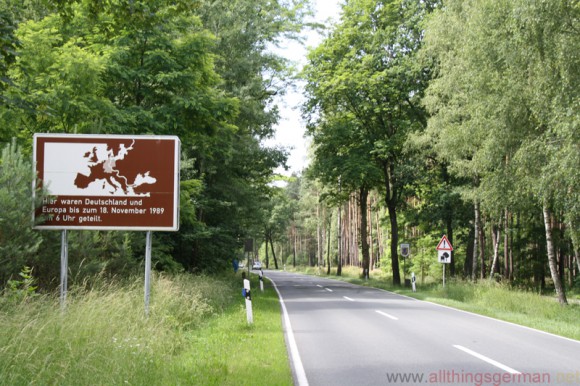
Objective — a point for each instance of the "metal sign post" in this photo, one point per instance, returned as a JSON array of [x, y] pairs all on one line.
[[147, 271], [63, 268]]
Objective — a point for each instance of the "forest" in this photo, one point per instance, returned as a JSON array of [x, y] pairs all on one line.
[[426, 118]]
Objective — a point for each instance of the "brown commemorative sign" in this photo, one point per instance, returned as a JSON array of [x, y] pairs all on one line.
[[107, 181]]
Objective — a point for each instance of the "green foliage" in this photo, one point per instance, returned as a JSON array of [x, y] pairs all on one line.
[[18, 242], [23, 289], [364, 88], [199, 71], [505, 79]]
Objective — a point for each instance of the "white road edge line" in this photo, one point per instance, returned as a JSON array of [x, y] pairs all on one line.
[[387, 315], [486, 359], [301, 379], [328, 289], [349, 299], [482, 316]]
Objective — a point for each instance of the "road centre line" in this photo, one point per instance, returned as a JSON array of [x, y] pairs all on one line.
[[349, 299], [328, 289], [318, 285], [387, 315], [486, 359]]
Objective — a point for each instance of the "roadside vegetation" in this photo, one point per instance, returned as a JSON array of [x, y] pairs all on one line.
[[485, 297], [196, 333]]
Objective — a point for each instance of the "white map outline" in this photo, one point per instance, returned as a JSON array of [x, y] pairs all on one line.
[[65, 161]]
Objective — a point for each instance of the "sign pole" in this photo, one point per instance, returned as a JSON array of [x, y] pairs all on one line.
[[147, 271], [63, 268], [443, 275]]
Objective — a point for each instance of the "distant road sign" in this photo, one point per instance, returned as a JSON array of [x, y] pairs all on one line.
[[108, 181], [444, 244], [405, 250]]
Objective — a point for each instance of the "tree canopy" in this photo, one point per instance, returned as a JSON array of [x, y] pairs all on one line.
[[455, 117]]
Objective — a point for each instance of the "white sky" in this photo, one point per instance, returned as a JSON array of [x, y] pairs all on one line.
[[290, 130]]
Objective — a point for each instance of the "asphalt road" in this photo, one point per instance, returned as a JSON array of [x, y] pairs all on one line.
[[342, 334]]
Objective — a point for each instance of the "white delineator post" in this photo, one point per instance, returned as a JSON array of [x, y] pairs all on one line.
[[261, 280], [413, 280], [248, 297]]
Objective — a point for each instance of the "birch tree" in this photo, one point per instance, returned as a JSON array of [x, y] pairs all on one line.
[[507, 83]]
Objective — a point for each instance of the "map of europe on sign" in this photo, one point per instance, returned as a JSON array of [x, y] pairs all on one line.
[[93, 169], [107, 181]]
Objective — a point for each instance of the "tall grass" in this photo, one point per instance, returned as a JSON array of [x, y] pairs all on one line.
[[510, 304], [104, 338]]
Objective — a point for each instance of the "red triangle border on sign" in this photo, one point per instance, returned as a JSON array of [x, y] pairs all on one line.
[[444, 244]]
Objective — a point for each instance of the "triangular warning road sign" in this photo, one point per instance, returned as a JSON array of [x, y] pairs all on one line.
[[444, 244]]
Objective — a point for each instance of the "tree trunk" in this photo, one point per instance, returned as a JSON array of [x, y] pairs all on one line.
[[506, 248], [552, 257], [267, 256], [475, 241], [577, 262], [273, 252], [394, 244], [370, 231], [496, 237], [318, 235], [482, 249], [391, 203], [364, 193], [339, 247], [328, 246], [468, 263], [294, 247], [575, 246]]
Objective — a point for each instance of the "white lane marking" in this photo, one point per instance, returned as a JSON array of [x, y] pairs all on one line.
[[301, 379], [328, 289], [482, 316], [486, 359], [349, 299], [387, 315], [318, 285]]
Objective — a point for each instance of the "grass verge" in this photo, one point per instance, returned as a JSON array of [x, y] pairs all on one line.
[[484, 297], [196, 333]]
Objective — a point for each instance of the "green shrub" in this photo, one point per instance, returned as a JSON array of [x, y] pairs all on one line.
[[18, 241]]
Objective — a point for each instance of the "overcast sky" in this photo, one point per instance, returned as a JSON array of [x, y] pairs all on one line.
[[290, 130]]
